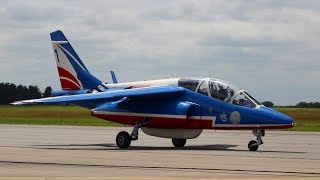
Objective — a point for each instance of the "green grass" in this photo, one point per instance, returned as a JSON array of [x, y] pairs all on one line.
[[306, 119], [50, 115]]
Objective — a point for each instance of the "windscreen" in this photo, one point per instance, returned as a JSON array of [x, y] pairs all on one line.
[[221, 90], [243, 99]]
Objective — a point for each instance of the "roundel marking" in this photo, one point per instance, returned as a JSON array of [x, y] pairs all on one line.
[[235, 117]]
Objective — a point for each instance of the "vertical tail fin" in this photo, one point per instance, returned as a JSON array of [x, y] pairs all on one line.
[[73, 73], [114, 78]]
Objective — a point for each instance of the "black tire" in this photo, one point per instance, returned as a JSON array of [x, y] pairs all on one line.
[[253, 147], [123, 139], [179, 142]]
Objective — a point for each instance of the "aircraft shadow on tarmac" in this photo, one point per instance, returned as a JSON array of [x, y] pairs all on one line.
[[113, 147]]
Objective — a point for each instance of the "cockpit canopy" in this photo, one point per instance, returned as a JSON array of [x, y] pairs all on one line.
[[221, 90]]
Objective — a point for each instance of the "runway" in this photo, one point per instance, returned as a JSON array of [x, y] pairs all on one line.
[[68, 152]]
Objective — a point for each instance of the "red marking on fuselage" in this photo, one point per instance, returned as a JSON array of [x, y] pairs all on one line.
[[178, 123]]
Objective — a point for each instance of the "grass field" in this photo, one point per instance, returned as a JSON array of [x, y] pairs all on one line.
[[50, 115], [306, 119]]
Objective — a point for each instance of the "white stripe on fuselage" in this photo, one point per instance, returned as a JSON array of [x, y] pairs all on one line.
[[135, 84], [203, 118], [155, 115]]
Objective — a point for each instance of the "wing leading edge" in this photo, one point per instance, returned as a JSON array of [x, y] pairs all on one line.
[[108, 96]]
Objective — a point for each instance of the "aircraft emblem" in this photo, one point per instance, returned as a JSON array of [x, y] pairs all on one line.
[[223, 117]]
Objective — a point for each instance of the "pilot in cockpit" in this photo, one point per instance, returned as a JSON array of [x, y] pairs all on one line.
[[220, 91], [244, 101], [229, 94]]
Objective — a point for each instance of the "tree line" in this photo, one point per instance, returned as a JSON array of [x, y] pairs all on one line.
[[308, 105], [299, 105], [10, 92]]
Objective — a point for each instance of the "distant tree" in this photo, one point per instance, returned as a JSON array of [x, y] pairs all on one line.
[[302, 105], [268, 103], [316, 104], [33, 92], [21, 92], [47, 92], [308, 105], [9, 92]]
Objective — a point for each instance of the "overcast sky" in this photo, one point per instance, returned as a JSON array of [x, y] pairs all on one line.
[[270, 48]]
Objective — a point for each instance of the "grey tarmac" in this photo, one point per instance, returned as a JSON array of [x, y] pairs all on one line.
[[73, 152]]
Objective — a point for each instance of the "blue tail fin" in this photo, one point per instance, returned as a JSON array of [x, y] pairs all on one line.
[[73, 73], [114, 78]]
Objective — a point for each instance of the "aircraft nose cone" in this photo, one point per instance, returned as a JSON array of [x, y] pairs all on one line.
[[275, 117], [284, 119]]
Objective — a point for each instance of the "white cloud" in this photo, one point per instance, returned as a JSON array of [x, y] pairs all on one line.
[[268, 47]]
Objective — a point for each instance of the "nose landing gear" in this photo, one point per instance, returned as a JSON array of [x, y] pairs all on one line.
[[254, 144]]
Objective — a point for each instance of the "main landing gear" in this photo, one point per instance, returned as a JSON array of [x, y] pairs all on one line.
[[254, 144], [179, 142], [123, 139]]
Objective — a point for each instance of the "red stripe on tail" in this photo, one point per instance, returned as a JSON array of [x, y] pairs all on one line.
[[65, 84], [68, 85]]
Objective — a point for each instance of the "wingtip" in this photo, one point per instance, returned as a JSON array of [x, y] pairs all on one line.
[[17, 103], [24, 102]]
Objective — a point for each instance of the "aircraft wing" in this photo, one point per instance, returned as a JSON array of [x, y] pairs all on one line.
[[108, 96]]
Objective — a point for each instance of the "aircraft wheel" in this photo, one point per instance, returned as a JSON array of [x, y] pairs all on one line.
[[123, 139], [253, 145], [178, 142]]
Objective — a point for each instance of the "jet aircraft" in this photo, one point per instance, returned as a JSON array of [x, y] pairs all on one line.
[[175, 108]]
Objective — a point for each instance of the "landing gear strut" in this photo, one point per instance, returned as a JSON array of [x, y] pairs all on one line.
[[254, 144], [123, 139]]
